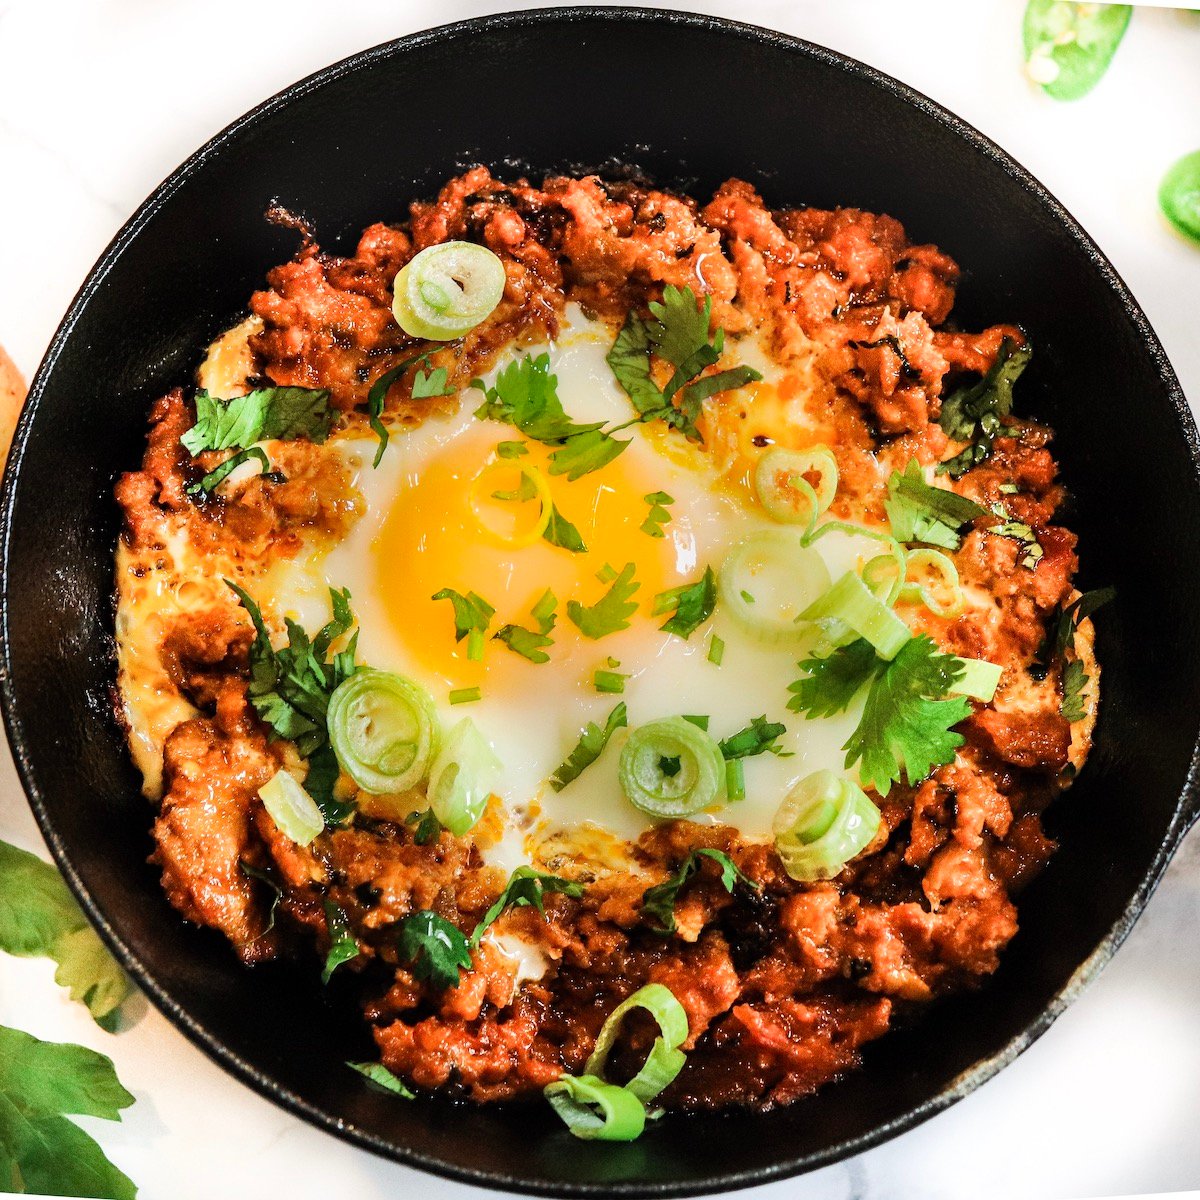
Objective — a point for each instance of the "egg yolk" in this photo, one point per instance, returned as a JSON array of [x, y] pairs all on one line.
[[447, 529]]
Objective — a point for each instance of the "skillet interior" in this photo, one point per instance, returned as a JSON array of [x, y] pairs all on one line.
[[573, 88]]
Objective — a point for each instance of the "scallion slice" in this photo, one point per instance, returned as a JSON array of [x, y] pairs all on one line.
[[512, 503], [383, 729], [979, 679], [595, 1110], [446, 290], [292, 809], [931, 578], [462, 777], [784, 491], [851, 603], [824, 821], [670, 768], [767, 581], [665, 1059]]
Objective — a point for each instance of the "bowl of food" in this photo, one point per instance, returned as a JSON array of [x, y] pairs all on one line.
[[637, 656]]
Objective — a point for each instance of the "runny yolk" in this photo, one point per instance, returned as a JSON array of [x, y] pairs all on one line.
[[434, 538]]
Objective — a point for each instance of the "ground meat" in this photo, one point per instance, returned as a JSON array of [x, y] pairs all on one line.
[[782, 982]]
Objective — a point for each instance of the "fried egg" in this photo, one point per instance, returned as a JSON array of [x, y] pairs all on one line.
[[422, 531]]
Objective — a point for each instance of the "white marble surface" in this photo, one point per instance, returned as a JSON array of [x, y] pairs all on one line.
[[99, 99]]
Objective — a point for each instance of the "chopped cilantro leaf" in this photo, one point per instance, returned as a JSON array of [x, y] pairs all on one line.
[[40, 1150], [472, 615], [1074, 680], [659, 901], [526, 886], [585, 452], [976, 413], [525, 395], [560, 532], [525, 642], [378, 394], [40, 919], [219, 474], [759, 737], [611, 612], [693, 605], [253, 872], [629, 360], [589, 748], [436, 950], [1060, 634], [511, 449], [428, 827], [264, 414], [919, 512], [381, 1077], [342, 946], [430, 384], [525, 490], [658, 516], [1030, 550]]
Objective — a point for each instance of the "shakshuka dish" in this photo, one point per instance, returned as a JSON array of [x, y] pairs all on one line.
[[623, 641]]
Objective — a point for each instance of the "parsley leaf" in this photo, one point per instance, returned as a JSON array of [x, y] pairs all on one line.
[[585, 452], [560, 532], [919, 512], [290, 687], [40, 1150], [659, 901], [830, 684], [428, 827], [430, 384], [759, 737], [525, 642], [976, 413], [589, 747], [1030, 552], [692, 604], [678, 333], [525, 886], [40, 919], [905, 726], [342, 946], [382, 1078], [1074, 680], [472, 615], [611, 612], [658, 516], [264, 414], [435, 949]]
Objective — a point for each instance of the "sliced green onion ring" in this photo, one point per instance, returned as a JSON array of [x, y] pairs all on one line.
[[665, 1059], [462, 778], [767, 581], [946, 574], [979, 679], [670, 768], [1179, 195], [884, 574], [824, 822], [446, 290], [292, 809], [595, 1110], [383, 729], [851, 603], [785, 493]]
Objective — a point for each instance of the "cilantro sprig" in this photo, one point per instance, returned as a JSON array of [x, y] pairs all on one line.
[[676, 332], [590, 746], [919, 512], [976, 413], [659, 902], [907, 721]]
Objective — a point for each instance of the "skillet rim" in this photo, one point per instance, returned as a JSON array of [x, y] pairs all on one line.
[[1187, 808]]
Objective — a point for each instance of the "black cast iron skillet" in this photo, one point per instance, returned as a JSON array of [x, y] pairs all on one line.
[[690, 100]]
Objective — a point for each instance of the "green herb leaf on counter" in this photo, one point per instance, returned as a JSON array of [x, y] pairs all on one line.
[[976, 413], [40, 919], [589, 747], [382, 1078], [920, 512], [265, 414], [692, 605], [526, 886], [290, 687], [342, 946], [1069, 46], [41, 1083], [436, 949], [611, 612], [659, 901]]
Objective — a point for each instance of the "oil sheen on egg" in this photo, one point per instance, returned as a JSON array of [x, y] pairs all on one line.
[[421, 533]]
